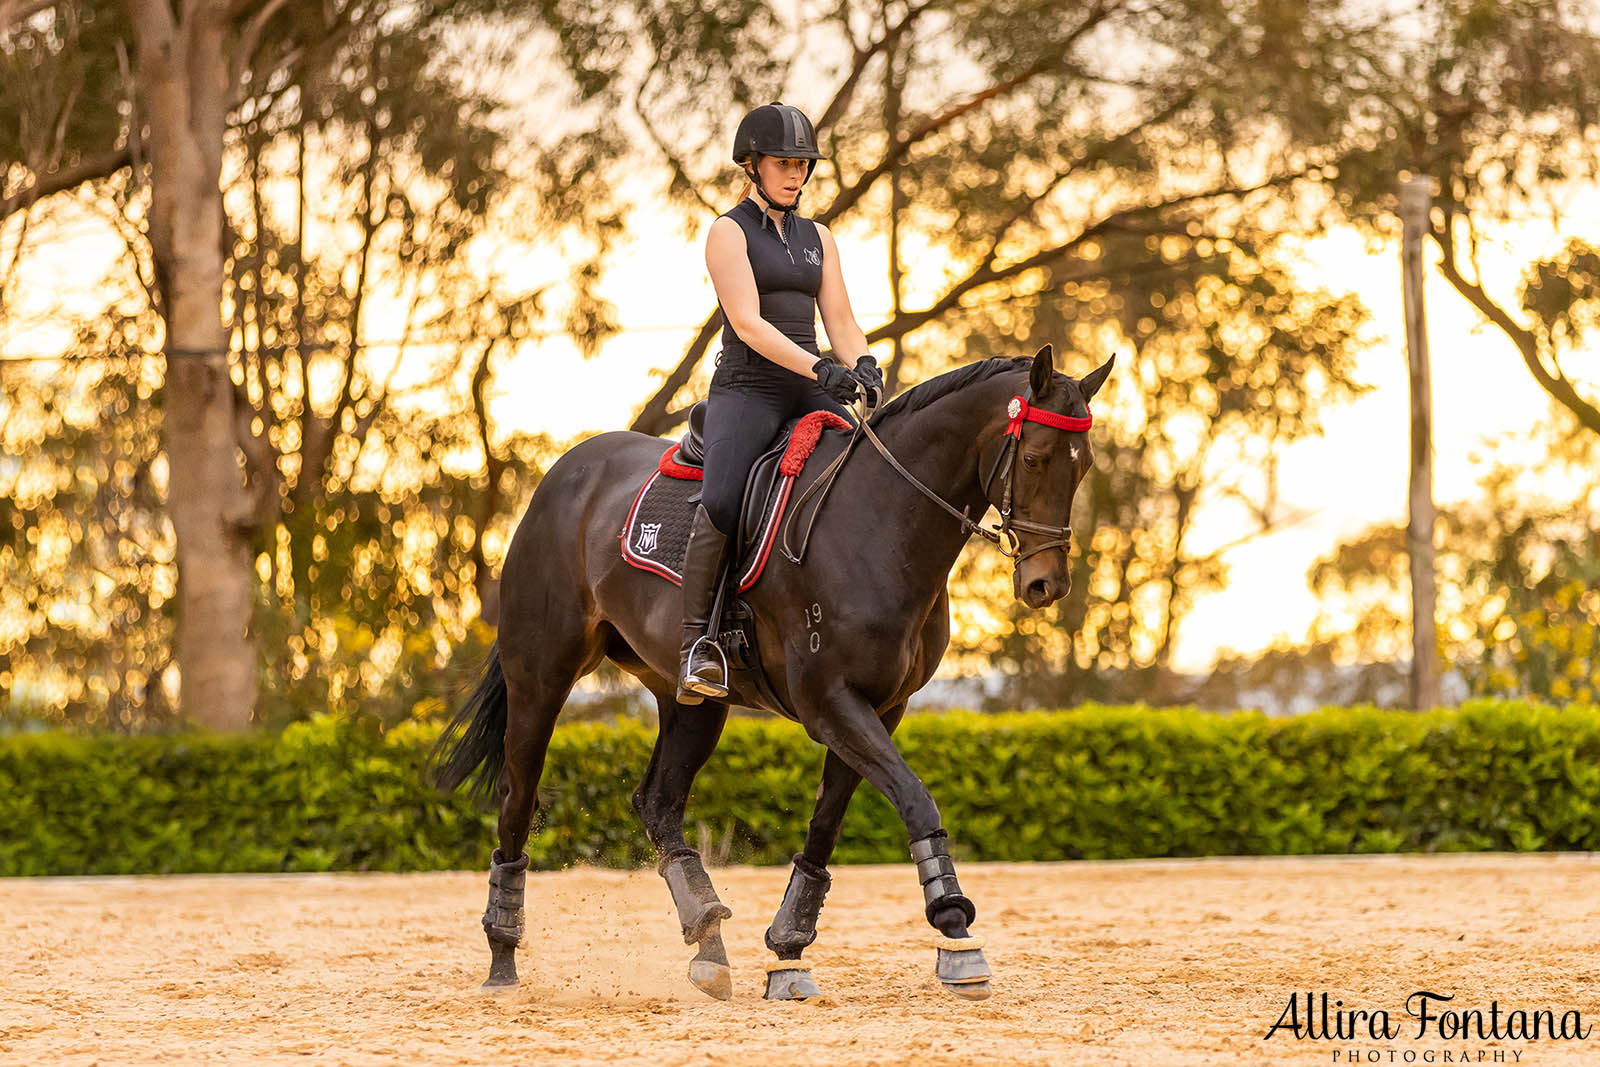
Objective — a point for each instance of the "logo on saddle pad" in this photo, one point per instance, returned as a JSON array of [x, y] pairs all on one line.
[[647, 537], [814, 256]]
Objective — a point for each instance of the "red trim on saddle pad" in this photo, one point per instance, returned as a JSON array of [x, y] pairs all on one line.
[[673, 469], [1020, 411]]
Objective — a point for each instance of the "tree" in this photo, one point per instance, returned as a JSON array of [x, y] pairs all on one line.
[[182, 72], [85, 549], [1500, 105], [1021, 138], [372, 108], [1237, 359]]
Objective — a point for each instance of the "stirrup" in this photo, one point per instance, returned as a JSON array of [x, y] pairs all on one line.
[[698, 685]]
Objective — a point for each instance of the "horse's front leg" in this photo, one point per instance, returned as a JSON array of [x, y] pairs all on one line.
[[850, 729]]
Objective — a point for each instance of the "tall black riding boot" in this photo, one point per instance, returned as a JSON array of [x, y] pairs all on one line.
[[702, 670]]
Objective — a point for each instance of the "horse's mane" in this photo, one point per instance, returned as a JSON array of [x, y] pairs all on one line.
[[925, 393]]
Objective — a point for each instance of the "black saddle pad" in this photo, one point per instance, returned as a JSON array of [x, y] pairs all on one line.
[[656, 531]]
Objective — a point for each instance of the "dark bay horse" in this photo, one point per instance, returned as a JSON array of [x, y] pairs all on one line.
[[1007, 432]]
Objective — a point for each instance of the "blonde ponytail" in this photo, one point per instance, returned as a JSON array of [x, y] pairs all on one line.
[[749, 187]]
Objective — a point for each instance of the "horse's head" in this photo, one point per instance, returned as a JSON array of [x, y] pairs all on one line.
[[1044, 455]]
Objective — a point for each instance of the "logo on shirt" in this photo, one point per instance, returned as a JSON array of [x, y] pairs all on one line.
[[814, 256]]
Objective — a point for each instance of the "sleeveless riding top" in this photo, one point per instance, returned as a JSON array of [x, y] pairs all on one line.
[[788, 272]]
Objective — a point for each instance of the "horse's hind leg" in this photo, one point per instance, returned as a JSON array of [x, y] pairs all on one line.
[[687, 738], [540, 673], [794, 927]]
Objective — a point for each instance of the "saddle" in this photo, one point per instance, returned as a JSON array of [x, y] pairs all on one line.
[[656, 531]]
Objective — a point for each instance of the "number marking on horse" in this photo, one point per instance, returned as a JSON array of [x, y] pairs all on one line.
[[813, 616]]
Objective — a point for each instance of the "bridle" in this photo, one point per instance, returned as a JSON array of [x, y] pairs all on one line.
[[1018, 411]]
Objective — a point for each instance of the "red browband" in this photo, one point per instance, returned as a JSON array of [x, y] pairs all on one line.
[[1020, 412]]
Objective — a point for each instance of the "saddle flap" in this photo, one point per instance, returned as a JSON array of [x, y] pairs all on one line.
[[758, 489]]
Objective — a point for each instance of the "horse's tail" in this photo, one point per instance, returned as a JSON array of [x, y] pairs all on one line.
[[476, 737]]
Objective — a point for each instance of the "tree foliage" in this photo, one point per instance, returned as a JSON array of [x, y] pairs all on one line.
[[1113, 176], [1498, 103]]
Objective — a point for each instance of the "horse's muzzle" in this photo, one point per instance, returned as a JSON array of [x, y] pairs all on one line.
[[1042, 592]]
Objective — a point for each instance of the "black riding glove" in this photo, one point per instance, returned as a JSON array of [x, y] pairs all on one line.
[[871, 378], [836, 380]]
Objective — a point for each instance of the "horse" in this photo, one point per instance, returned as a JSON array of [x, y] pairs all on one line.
[[874, 592]]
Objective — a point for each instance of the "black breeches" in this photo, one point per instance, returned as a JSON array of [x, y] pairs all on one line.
[[751, 398]]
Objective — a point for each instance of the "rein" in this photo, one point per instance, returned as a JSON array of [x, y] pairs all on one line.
[[1018, 411]]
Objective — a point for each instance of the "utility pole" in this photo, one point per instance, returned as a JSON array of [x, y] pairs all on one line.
[[893, 86], [1416, 199]]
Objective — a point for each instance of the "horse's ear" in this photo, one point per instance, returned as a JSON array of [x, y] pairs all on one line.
[[1043, 368], [1091, 382]]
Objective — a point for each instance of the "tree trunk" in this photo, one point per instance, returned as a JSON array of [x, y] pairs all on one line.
[[184, 87], [1415, 204], [488, 502]]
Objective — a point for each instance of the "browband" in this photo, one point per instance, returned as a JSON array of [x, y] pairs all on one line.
[[1020, 412]]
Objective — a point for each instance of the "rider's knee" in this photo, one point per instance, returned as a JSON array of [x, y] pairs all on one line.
[[722, 508]]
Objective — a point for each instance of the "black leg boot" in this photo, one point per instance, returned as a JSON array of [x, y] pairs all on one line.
[[702, 670]]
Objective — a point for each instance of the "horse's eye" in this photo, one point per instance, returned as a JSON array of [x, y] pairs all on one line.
[[1030, 461]]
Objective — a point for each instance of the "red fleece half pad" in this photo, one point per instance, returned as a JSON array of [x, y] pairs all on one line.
[[673, 469], [803, 442]]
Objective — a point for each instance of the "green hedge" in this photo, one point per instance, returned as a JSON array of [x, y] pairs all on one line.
[[1097, 782]]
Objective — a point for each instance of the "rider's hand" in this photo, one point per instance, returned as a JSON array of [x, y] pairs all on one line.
[[836, 380], [871, 378]]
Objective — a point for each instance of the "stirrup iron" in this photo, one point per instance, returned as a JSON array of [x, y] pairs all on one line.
[[694, 683]]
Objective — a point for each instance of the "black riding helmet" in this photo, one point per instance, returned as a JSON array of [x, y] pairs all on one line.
[[775, 129]]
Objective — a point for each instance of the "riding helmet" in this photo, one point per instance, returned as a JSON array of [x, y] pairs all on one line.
[[776, 129]]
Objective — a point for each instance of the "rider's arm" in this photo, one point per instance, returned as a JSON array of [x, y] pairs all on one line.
[[844, 334], [735, 284]]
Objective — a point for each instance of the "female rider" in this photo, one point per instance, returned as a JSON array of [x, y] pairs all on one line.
[[773, 271]]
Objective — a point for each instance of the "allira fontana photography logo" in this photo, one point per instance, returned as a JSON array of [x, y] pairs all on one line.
[[1427, 1016]]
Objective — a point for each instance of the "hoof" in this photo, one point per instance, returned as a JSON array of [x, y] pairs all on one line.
[[713, 979], [502, 967], [961, 967], [709, 969], [971, 990], [790, 980]]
